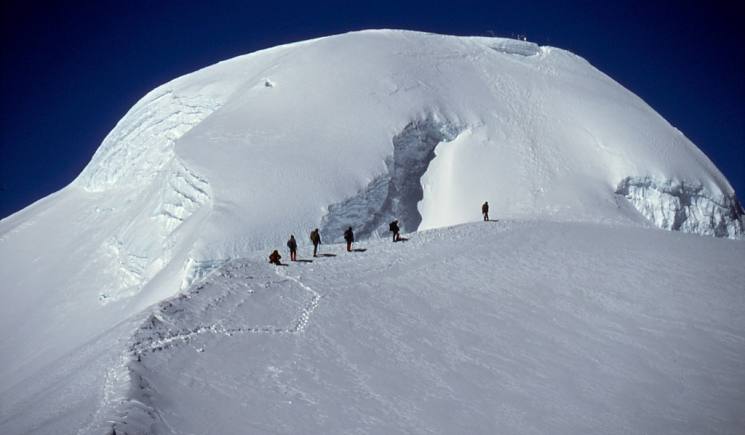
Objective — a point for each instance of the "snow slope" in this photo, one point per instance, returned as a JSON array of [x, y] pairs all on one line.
[[494, 327], [352, 129]]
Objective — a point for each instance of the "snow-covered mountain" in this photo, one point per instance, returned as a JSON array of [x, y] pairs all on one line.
[[354, 129]]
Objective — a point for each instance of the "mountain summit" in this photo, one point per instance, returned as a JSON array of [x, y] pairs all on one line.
[[354, 129]]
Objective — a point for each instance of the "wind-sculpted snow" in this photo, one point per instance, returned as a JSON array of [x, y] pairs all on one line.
[[675, 205], [141, 145], [511, 46]]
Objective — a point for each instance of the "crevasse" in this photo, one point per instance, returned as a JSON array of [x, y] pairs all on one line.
[[395, 194]]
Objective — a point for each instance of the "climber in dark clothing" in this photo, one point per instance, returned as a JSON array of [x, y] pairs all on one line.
[[485, 210], [349, 237], [292, 244], [315, 238], [275, 257], [395, 230]]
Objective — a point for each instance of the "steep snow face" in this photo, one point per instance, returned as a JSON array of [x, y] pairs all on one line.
[[354, 129]]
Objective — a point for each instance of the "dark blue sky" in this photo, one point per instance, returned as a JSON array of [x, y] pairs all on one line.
[[70, 72]]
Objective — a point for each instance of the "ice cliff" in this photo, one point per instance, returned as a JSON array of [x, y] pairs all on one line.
[[675, 205]]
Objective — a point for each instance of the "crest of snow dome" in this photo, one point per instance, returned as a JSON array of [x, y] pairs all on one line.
[[360, 128]]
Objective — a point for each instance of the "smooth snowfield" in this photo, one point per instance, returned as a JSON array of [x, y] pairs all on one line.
[[491, 327]]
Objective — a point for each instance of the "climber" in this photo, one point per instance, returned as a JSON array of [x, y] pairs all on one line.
[[349, 237], [275, 257], [485, 210], [393, 227], [315, 238], [292, 244]]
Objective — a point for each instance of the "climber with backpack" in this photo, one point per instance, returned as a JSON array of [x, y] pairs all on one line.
[[349, 237], [393, 227], [315, 238], [275, 257], [292, 244]]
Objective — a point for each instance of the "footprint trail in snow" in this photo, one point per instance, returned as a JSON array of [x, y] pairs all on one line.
[[241, 298]]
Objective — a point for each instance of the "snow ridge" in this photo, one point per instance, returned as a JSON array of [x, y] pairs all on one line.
[[611, 334], [227, 298]]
